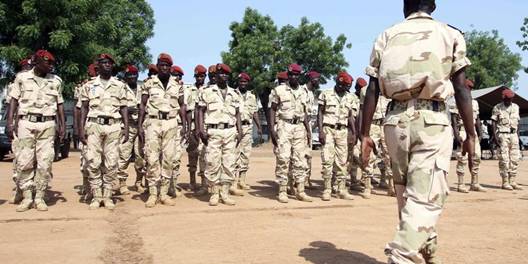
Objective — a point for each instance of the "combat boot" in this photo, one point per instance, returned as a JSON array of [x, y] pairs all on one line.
[[204, 189], [17, 196], [342, 192], [355, 185], [327, 192], [123, 188], [153, 197], [242, 181], [461, 187], [366, 193], [40, 204], [291, 187], [234, 189], [514, 184], [97, 197], [139, 187], [177, 192], [283, 195], [224, 195], [383, 180], [475, 186], [215, 197], [301, 195], [25, 204], [506, 184], [164, 189], [429, 252], [107, 199]]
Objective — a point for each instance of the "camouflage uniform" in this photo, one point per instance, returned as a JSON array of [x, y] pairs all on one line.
[[309, 109], [507, 120], [335, 149], [17, 194], [85, 188], [354, 153], [413, 62], [103, 128], [195, 150], [248, 107], [162, 136], [37, 108]]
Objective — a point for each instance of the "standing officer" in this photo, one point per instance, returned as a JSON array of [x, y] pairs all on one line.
[[460, 136], [132, 145], [104, 107], [162, 98], [335, 119], [152, 70], [416, 63], [310, 87], [36, 101], [354, 151], [291, 133], [505, 117], [248, 115], [220, 130]]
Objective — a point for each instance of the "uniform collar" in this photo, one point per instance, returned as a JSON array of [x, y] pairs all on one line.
[[172, 81], [418, 15]]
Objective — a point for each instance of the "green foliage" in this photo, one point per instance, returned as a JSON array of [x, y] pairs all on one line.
[[523, 44], [493, 63], [75, 31]]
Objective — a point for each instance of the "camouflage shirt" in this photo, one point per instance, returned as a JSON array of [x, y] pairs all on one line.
[[104, 100], [248, 106], [381, 106], [161, 99], [217, 109], [507, 117], [416, 58], [291, 103], [336, 108], [132, 102]]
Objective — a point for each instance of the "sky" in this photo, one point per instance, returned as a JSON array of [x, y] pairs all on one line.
[[196, 32]]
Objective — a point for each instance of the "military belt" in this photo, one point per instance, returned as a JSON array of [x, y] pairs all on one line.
[[419, 104], [512, 131], [162, 116], [37, 118], [246, 122], [293, 121], [336, 126], [220, 126], [378, 122], [104, 120]]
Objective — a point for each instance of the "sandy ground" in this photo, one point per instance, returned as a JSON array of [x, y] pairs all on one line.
[[487, 227]]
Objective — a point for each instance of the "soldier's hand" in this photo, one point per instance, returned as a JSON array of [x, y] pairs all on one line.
[[274, 137], [82, 138], [62, 133], [322, 137], [260, 136], [203, 137], [469, 148], [367, 146], [10, 132], [352, 139], [309, 139]]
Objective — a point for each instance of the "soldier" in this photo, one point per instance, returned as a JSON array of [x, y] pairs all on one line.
[[132, 145], [505, 117], [291, 133], [177, 73], [418, 63], [460, 136], [162, 98], [212, 75], [152, 70], [104, 107], [220, 130], [248, 112], [174, 189], [310, 87], [354, 151], [36, 100], [335, 119]]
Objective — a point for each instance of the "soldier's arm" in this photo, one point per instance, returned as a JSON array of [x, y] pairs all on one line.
[[76, 119], [271, 125], [142, 111], [465, 109], [238, 125], [124, 116], [306, 122], [61, 122], [478, 127], [84, 113], [454, 127], [12, 126], [352, 127], [320, 113], [369, 106], [257, 122], [183, 114]]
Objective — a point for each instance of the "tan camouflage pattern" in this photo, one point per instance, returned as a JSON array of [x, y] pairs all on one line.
[[221, 155], [219, 110], [162, 139], [102, 154], [292, 103], [506, 118], [337, 108], [162, 99], [104, 101], [415, 59], [291, 147], [462, 160], [248, 107]]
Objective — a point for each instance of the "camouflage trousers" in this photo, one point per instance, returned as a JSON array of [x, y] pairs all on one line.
[[509, 154], [244, 148], [416, 142], [84, 163], [354, 161], [382, 160], [291, 147], [221, 155], [102, 154], [14, 149], [196, 154], [163, 149], [462, 160], [335, 152], [308, 156], [125, 154], [35, 153]]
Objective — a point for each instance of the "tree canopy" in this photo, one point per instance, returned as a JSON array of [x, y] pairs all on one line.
[[75, 31], [493, 63], [523, 44]]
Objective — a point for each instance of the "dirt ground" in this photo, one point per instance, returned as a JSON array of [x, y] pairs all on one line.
[[474, 228]]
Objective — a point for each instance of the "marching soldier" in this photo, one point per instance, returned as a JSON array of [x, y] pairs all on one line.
[[505, 117], [162, 98], [418, 63], [37, 104], [336, 122], [291, 133], [220, 130]]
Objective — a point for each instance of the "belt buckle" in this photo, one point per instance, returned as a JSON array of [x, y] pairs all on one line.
[[163, 115], [221, 126]]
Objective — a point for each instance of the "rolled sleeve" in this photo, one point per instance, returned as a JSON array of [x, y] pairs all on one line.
[[322, 99], [274, 97], [84, 93], [372, 69], [15, 91], [460, 59], [60, 99], [495, 113]]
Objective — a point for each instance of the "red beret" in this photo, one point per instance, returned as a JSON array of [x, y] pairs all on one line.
[[107, 56], [244, 76], [91, 70], [507, 93], [165, 58], [469, 84], [46, 55], [223, 67], [200, 69], [344, 78], [131, 69], [153, 68], [282, 75], [25, 62], [212, 68], [177, 69], [314, 74], [295, 68], [361, 82]]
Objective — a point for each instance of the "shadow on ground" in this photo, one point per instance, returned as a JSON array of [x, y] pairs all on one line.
[[322, 252]]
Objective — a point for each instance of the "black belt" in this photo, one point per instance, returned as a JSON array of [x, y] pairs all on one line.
[[420, 104], [161, 116], [36, 118], [104, 120], [246, 122], [377, 122], [220, 126], [336, 126], [293, 121]]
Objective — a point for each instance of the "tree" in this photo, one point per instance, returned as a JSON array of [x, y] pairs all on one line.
[[75, 31], [493, 63], [523, 44]]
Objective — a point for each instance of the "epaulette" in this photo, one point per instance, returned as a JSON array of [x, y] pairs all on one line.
[[456, 29]]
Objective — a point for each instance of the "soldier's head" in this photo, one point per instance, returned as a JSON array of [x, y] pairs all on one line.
[[177, 72], [164, 65], [412, 6], [360, 83], [131, 75], [212, 74], [25, 65], [199, 74], [222, 74], [243, 81], [343, 82], [294, 71], [92, 70], [507, 96], [152, 70], [282, 77], [313, 80], [105, 64], [44, 62]]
